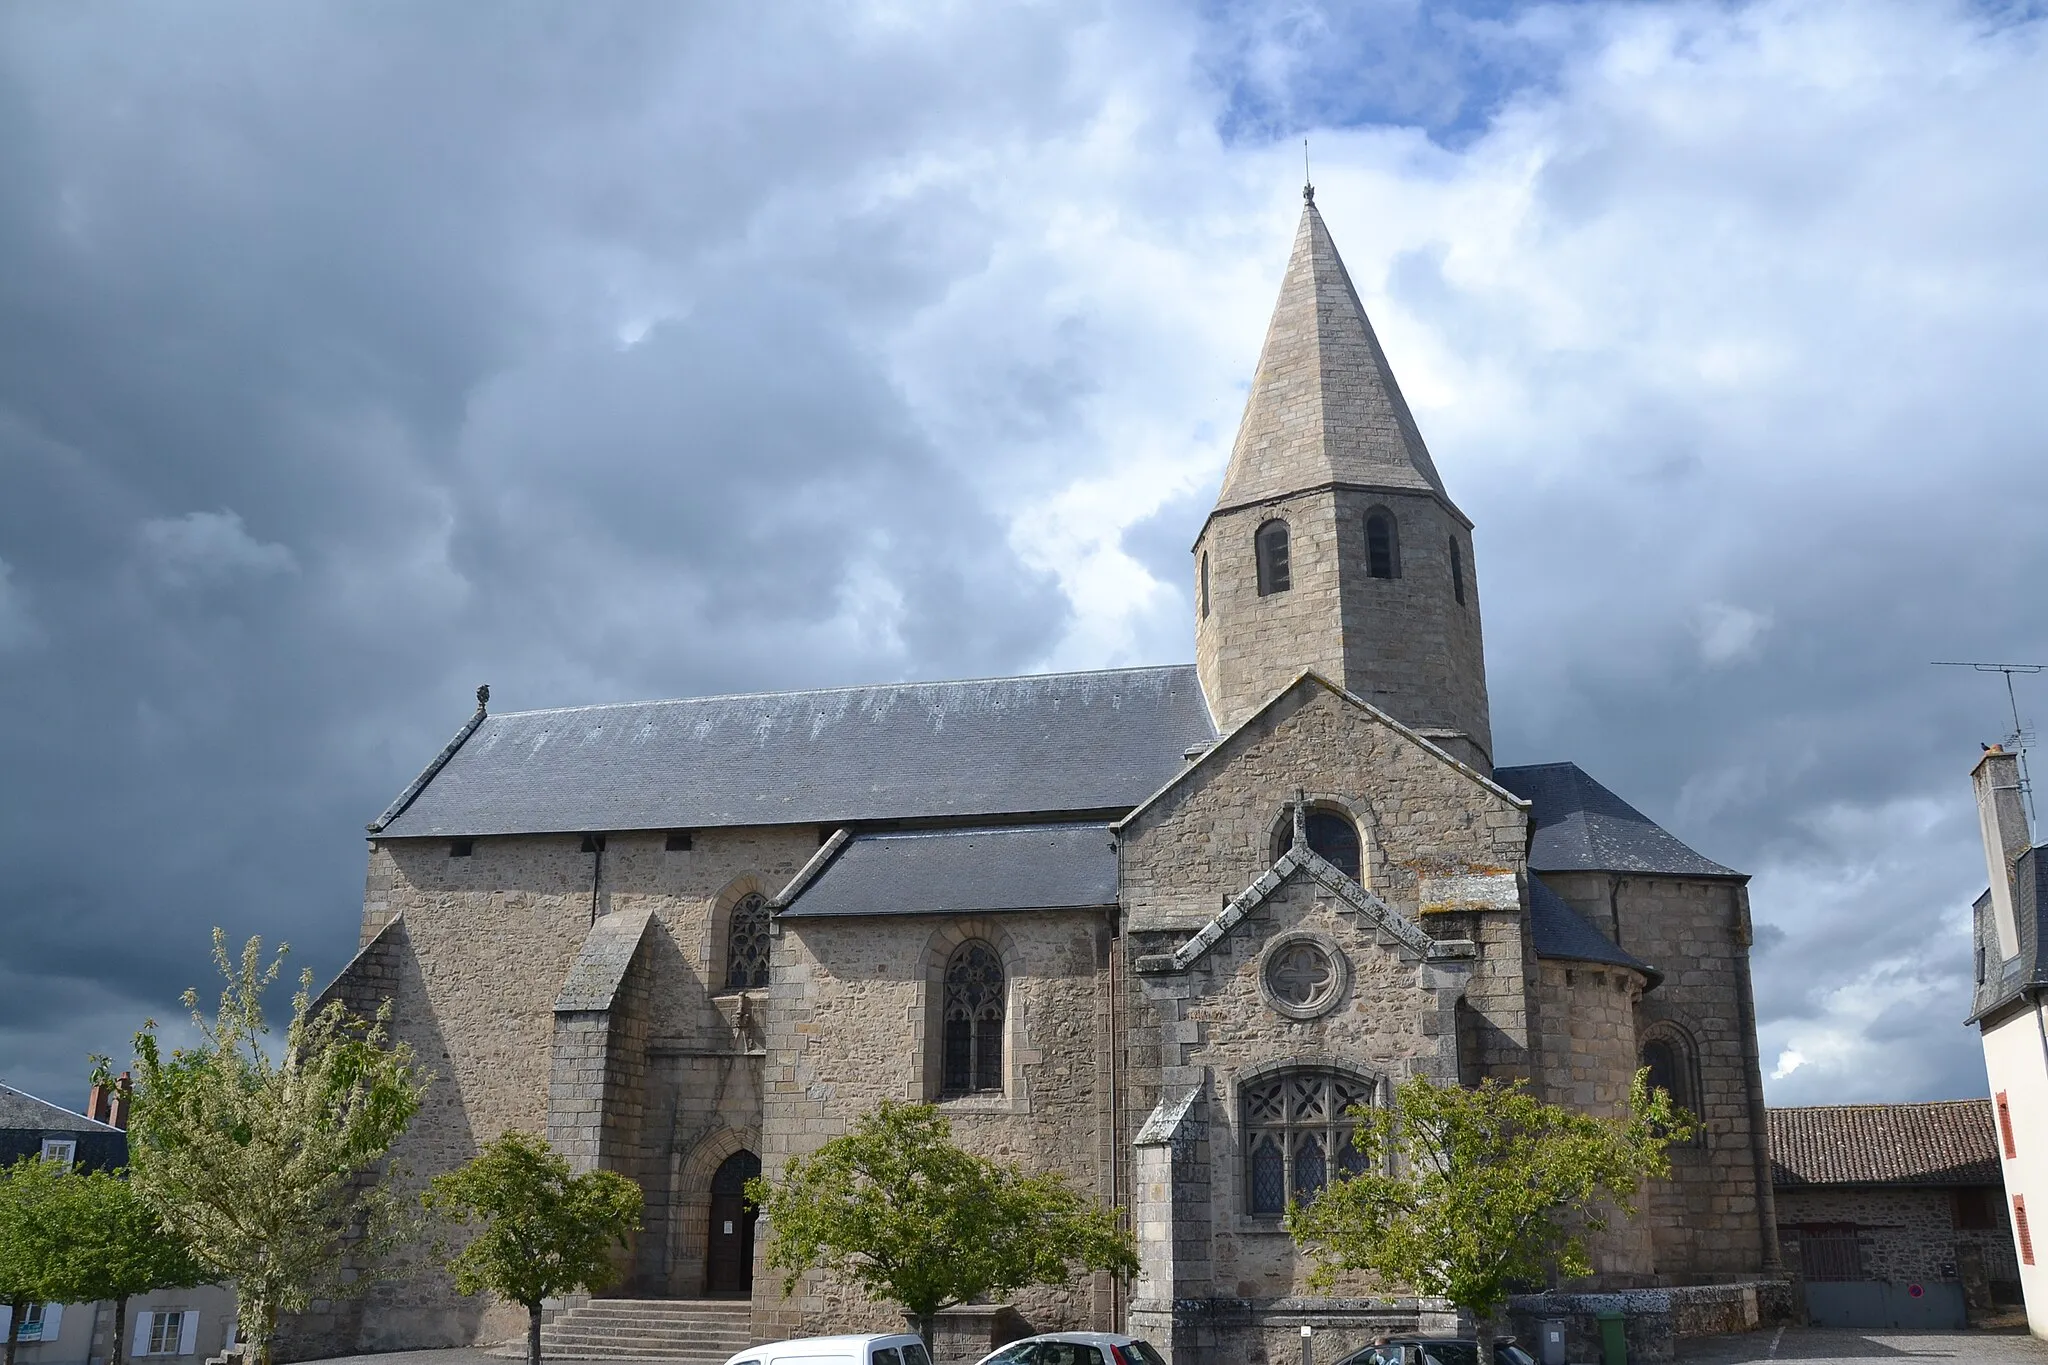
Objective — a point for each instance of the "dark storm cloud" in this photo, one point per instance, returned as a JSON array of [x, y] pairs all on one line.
[[352, 356]]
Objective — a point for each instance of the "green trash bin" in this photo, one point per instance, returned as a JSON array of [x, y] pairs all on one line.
[[1613, 1338]]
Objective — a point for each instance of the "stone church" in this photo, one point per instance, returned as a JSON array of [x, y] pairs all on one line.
[[1157, 928]]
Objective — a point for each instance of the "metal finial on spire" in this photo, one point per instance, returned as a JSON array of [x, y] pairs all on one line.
[[1308, 188]]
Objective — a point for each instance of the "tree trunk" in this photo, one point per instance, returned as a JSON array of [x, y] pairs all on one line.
[[266, 1329], [120, 1332], [1483, 1325], [14, 1312], [533, 1334]]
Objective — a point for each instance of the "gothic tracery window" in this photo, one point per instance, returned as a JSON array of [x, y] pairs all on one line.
[[1276, 574], [973, 1021], [746, 944], [1297, 1135], [1335, 837]]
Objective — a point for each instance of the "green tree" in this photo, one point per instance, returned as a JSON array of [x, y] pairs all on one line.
[[901, 1211], [117, 1247], [263, 1164], [1471, 1192], [33, 1193], [545, 1231]]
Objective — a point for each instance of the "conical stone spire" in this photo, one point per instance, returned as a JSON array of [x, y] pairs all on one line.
[[1324, 407]]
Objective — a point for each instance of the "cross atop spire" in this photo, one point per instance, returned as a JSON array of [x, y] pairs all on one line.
[[1324, 407]]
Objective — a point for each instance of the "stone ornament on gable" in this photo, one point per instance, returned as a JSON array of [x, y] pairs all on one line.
[[1303, 975]]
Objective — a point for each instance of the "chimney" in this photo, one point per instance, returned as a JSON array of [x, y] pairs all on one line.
[[2002, 819], [96, 1102]]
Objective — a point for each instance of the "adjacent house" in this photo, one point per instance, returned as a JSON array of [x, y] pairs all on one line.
[[1893, 1215], [181, 1326], [2007, 1005]]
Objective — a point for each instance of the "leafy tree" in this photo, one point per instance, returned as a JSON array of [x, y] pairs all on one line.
[[32, 1223], [1487, 1188], [261, 1163], [900, 1210], [545, 1232], [117, 1247]]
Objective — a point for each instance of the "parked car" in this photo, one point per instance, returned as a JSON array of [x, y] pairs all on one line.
[[1075, 1348], [1437, 1351], [895, 1348]]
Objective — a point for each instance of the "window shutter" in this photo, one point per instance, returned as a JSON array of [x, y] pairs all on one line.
[[188, 1334], [2019, 1227], [140, 1346], [53, 1320], [2005, 1127], [6, 1321]]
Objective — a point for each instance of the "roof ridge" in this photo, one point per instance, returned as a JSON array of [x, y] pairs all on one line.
[[833, 691], [1874, 1104]]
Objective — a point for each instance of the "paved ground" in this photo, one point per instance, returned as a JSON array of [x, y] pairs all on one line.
[[1809, 1345], [1806, 1346]]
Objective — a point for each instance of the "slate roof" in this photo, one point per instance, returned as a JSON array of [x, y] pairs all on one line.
[[19, 1109], [1581, 826], [907, 751], [1945, 1142], [2026, 972], [1562, 933], [1019, 867]]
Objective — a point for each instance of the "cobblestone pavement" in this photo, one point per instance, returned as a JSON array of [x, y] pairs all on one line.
[[1812, 1345]]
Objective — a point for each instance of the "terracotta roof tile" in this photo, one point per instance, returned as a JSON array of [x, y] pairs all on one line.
[[1946, 1142]]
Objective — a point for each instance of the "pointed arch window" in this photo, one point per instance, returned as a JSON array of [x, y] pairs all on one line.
[[746, 944], [1275, 572], [1297, 1128], [973, 1021], [1331, 834], [1457, 571], [1382, 544], [1202, 587]]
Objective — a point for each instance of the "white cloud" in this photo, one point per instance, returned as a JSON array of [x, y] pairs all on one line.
[[1727, 634], [201, 549]]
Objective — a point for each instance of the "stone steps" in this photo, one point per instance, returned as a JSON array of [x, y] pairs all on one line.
[[685, 1331]]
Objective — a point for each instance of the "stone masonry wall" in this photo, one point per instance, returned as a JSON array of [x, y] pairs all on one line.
[[1905, 1235], [1712, 1219], [848, 1027], [1404, 644], [1589, 1058], [488, 941]]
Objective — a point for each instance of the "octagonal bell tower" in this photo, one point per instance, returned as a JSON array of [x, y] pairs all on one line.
[[1333, 544]]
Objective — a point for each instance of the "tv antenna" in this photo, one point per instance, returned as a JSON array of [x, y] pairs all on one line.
[[2022, 735]]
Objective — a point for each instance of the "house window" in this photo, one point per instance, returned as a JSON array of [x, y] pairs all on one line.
[[678, 841], [973, 1021], [1457, 572], [1382, 544], [1335, 837], [60, 1149], [1297, 1129], [2005, 1127], [746, 944], [1976, 1207], [2019, 1227], [166, 1333], [1275, 573], [33, 1323], [1202, 585], [461, 848], [1830, 1253]]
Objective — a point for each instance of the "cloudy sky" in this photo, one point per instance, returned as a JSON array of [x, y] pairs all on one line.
[[353, 355]]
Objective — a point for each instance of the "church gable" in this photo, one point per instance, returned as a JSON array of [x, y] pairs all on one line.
[[1423, 822]]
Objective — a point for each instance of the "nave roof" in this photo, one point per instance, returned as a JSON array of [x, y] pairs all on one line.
[[1098, 741], [1581, 826]]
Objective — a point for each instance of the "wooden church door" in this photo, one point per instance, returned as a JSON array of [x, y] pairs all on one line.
[[729, 1266]]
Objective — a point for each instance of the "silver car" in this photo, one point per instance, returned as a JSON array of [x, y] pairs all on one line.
[[1075, 1348]]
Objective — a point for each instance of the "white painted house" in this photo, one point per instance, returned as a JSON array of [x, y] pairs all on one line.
[[2009, 1010]]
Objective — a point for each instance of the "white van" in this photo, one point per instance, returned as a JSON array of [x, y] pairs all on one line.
[[901, 1348]]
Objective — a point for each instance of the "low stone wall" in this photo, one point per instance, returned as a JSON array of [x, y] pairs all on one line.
[[1656, 1318], [1268, 1331]]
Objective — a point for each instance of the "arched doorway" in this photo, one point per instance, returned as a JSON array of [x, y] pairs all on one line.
[[729, 1259]]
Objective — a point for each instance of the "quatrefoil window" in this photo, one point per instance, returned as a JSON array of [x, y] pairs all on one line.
[[1303, 976]]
